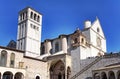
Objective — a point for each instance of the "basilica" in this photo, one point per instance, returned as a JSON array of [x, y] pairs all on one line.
[[79, 55]]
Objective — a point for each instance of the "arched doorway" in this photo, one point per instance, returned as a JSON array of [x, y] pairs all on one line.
[[103, 75], [19, 75], [8, 75], [57, 70], [59, 76], [111, 75]]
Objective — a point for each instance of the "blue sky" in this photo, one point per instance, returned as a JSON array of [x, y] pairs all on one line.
[[63, 17]]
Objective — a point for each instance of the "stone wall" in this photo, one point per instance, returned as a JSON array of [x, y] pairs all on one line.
[[106, 60]]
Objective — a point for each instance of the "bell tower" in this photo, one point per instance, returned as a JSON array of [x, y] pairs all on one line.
[[29, 32]]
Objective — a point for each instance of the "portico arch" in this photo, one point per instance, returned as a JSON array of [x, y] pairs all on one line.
[[8, 75], [111, 75], [103, 75], [96, 76], [118, 74], [57, 70], [19, 75]]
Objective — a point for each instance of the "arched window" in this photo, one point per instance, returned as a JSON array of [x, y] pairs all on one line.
[[38, 19], [35, 16], [37, 77], [98, 30], [23, 16], [3, 58], [68, 72], [98, 42], [56, 47], [76, 40], [26, 15], [42, 49], [12, 60], [20, 17], [82, 40], [21, 45], [31, 15]]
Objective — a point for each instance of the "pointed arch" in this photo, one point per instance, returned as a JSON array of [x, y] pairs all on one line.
[[57, 70]]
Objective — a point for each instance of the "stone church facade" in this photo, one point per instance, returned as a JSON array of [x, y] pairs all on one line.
[[80, 55]]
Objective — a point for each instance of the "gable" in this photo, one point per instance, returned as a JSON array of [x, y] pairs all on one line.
[[96, 27]]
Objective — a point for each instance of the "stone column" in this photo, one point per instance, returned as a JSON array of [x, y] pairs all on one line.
[[66, 75], [115, 72], [100, 75], [64, 43], [107, 74], [29, 13], [48, 46], [1, 76], [13, 76]]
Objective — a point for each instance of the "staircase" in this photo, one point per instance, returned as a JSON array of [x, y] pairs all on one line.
[[86, 68]]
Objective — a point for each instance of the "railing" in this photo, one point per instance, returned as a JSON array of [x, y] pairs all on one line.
[[86, 68], [111, 55]]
